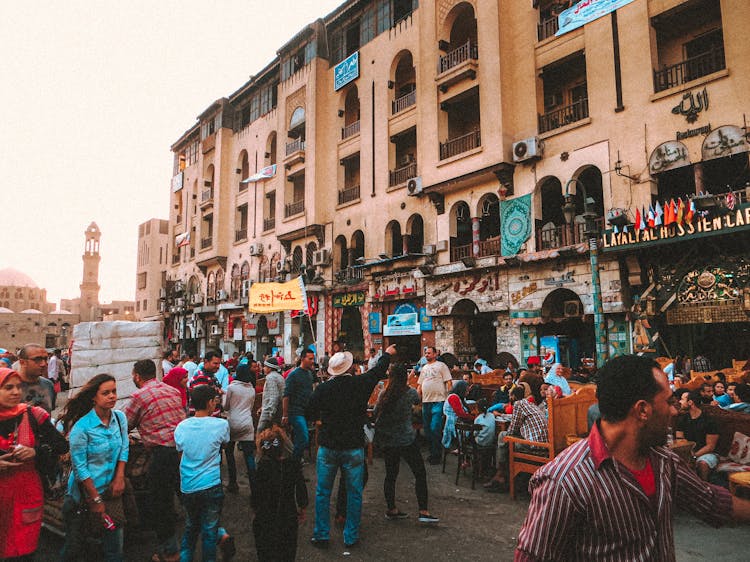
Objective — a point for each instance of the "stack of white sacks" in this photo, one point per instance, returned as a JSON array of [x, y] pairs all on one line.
[[113, 348]]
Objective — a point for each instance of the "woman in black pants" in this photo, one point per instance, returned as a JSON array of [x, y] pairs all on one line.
[[395, 435]]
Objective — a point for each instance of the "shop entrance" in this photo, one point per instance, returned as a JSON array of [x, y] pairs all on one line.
[[473, 334], [351, 331], [564, 332]]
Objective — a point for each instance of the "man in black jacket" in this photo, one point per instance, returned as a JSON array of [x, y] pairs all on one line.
[[341, 405]]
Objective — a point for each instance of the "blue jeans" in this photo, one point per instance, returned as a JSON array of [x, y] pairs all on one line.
[[248, 451], [432, 420], [300, 435], [203, 510], [76, 531], [351, 462]]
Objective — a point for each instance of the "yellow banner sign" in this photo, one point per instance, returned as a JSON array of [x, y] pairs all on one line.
[[275, 297]]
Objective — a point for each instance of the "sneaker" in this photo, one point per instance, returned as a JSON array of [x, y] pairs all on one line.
[[428, 519], [319, 543], [395, 516], [227, 547]]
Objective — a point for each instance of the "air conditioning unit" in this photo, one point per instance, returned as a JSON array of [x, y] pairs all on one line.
[[179, 303], [256, 249], [429, 249], [216, 330], [162, 293], [207, 183], [196, 299], [221, 295], [414, 186], [245, 291], [527, 149], [279, 266], [321, 257], [572, 309]]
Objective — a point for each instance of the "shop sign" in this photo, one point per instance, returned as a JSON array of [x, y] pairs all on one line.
[[177, 182], [724, 141], [586, 11], [237, 334], [704, 130], [356, 298], [274, 297], [668, 156], [251, 327], [425, 321], [402, 325], [443, 294], [405, 308], [273, 321], [374, 323], [734, 221], [396, 285], [346, 71], [698, 103]]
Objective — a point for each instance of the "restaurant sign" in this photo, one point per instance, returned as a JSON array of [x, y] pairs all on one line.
[[342, 300], [733, 221], [346, 71]]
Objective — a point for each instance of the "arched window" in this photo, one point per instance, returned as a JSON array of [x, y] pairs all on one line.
[[394, 245], [296, 259], [244, 170], [341, 253], [219, 282], [357, 247], [211, 288], [415, 232], [270, 155], [463, 26], [488, 212], [460, 231], [297, 124], [405, 77], [351, 106], [310, 250], [236, 282]]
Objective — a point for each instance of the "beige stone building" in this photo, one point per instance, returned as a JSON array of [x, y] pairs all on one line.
[[414, 162], [151, 270]]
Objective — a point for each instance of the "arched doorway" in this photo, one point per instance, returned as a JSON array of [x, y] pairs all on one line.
[[262, 339], [351, 331], [473, 333], [564, 331]]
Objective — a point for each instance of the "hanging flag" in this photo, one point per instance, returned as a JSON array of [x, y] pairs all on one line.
[[680, 211], [637, 219], [667, 214], [658, 214], [731, 201], [275, 297], [644, 218], [690, 212], [263, 174], [182, 239], [651, 217]]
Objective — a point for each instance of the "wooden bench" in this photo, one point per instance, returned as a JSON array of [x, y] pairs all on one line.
[[728, 423], [567, 417]]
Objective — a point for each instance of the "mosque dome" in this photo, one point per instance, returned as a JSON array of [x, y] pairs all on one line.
[[4, 310], [61, 311], [31, 311], [10, 277]]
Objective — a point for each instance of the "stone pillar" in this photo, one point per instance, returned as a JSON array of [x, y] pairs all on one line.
[[475, 236], [698, 174]]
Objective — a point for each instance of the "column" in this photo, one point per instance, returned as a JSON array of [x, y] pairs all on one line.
[[475, 236]]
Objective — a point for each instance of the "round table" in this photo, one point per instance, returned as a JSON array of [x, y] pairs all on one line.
[[738, 479]]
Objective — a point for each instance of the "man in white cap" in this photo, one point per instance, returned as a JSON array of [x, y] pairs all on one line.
[[341, 405], [273, 392]]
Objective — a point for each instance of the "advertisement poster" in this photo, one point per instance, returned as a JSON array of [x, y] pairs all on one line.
[[402, 325]]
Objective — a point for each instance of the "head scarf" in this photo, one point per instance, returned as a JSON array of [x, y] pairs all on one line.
[[244, 374], [460, 388], [10, 413], [173, 378]]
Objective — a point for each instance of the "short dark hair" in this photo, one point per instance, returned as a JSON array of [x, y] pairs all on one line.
[[210, 354], [305, 352], [432, 347], [145, 369], [518, 393], [24, 351], [743, 392], [200, 395], [623, 381], [695, 397], [679, 392]]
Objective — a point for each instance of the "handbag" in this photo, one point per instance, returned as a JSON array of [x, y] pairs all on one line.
[[54, 470]]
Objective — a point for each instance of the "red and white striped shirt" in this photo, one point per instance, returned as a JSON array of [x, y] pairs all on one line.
[[587, 506]]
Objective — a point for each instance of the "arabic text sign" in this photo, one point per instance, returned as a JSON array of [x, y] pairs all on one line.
[[275, 297], [402, 325], [356, 298], [667, 156], [346, 71], [724, 141], [585, 12]]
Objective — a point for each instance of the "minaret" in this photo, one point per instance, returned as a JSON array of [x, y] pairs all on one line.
[[89, 308]]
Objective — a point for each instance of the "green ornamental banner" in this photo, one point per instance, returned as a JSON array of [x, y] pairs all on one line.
[[515, 223]]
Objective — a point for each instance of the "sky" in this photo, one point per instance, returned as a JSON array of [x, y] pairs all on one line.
[[93, 95]]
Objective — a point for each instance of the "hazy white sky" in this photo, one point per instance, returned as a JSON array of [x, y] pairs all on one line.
[[93, 94]]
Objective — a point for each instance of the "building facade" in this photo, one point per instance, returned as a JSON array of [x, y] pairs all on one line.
[[440, 172], [151, 270]]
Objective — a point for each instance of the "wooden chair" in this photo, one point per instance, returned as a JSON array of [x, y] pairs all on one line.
[[468, 452], [567, 416]]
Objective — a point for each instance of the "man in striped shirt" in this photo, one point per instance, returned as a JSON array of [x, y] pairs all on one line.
[[610, 497]]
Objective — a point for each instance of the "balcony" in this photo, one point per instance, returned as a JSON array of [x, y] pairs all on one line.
[[297, 145], [460, 252], [350, 275], [459, 145], [350, 130], [689, 69], [402, 175], [547, 28], [242, 186], [489, 247], [207, 242], [404, 102], [269, 224], [207, 197], [548, 238], [291, 209], [348, 194], [457, 56], [240, 235], [295, 153], [564, 115]]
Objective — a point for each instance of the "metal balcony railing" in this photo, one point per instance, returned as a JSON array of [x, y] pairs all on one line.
[[460, 144], [564, 115], [350, 130], [402, 175], [549, 238], [240, 234], [457, 56], [269, 224], [403, 102], [207, 242], [460, 252], [294, 208], [207, 195], [348, 194], [490, 247], [690, 69], [547, 28], [295, 146]]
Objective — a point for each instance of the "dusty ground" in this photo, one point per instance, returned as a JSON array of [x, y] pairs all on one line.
[[474, 525]]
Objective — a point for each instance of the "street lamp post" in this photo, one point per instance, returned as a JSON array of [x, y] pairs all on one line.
[[591, 231]]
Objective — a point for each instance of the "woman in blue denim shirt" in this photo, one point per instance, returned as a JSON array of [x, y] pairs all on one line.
[[98, 451]]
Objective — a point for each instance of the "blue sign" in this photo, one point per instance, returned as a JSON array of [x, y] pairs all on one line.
[[406, 308], [425, 321], [585, 11], [346, 71], [374, 323]]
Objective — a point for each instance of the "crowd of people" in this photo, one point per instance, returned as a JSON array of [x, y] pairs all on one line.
[[202, 409]]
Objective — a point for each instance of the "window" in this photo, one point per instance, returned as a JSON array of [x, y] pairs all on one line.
[[297, 60], [383, 8], [268, 98], [142, 280], [367, 26], [145, 304], [352, 38]]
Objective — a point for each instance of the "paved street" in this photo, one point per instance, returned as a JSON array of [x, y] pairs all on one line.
[[475, 525]]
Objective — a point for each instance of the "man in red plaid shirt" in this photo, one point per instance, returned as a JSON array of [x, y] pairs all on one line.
[[155, 409]]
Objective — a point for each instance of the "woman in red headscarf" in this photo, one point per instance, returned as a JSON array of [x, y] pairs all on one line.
[[177, 377], [24, 431]]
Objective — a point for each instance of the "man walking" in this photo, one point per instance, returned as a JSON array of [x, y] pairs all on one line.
[[36, 388], [611, 496], [273, 391], [433, 386], [155, 409], [297, 391], [341, 405]]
